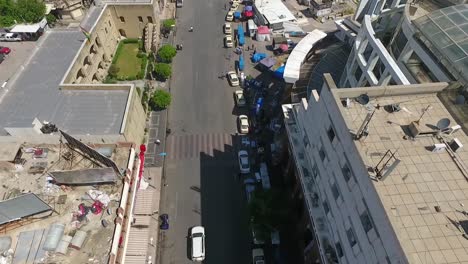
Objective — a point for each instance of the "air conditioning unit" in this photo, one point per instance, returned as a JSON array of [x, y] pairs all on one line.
[[452, 129], [455, 144]]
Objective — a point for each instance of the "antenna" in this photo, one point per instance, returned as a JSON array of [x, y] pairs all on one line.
[[423, 113], [364, 126], [382, 165]]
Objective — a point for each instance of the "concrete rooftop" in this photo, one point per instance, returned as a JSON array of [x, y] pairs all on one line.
[[422, 181], [36, 93]]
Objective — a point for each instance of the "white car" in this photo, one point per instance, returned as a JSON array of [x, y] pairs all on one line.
[[237, 1], [228, 41], [230, 16], [197, 235], [227, 28], [233, 79], [240, 99], [244, 163], [234, 6], [258, 256], [243, 124]]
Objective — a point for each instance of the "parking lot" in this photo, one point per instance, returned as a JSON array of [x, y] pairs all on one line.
[[20, 52]]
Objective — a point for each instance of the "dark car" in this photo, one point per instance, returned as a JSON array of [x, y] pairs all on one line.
[[2, 57], [164, 221]]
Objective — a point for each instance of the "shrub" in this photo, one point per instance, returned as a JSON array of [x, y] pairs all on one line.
[[113, 70], [160, 100], [130, 40], [163, 70], [109, 80], [51, 19], [166, 53], [169, 23]]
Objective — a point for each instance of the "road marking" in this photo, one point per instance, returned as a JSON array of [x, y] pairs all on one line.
[[176, 205]]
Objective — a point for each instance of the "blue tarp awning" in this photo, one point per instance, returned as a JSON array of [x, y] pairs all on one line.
[[237, 14], [279, 72], [258, 57], [241, 62], [248, 8], [240, 35]]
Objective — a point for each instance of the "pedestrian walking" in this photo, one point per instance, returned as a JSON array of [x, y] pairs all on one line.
[[253, 46], [255, 50]]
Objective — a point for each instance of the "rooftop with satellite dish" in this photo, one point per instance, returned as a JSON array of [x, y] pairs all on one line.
[[413, 149]]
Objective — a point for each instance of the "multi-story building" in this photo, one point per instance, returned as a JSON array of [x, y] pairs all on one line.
[[378, 168], [403, 42], [379, 179]]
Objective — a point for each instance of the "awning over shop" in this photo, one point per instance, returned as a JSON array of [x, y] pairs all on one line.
[[298, 54], [268, 62]]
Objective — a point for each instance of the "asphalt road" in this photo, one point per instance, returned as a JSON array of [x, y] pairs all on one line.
[[201, 166]]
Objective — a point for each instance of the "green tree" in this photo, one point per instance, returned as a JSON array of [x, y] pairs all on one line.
[[160, 100], [163, 70], [113, 70], [31, 11], [268, 210], [166, 53], [51, 19], [169, 24]]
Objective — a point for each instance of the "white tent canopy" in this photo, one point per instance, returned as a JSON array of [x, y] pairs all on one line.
[[298, 54], [29, 28]]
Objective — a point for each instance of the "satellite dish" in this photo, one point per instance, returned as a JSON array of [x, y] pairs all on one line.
[[363, 99], [460, 99], [443, 123]]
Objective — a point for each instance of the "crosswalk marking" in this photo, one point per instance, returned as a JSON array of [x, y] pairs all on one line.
[[190, 146]]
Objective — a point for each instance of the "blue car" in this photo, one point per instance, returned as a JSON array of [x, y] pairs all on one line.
[[164, 221]]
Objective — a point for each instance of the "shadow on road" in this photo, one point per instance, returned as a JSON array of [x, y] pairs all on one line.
[[223, 209]]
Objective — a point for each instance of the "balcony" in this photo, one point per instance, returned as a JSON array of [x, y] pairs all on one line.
[[311, 192]]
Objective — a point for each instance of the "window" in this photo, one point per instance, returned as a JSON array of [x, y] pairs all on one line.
[[366, 221], [122, 19], [110, 25], [358, 73], [122, 33], [346, 172], [339, 249], [335, 191], [140, 19], [331, 133], [398, 44], [150, 19], [315, 171], [367, 52], [105, 29], [322, 153], [326, 207], [351, 237]]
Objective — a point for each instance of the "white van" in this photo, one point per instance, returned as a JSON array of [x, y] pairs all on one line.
[[197, 235]]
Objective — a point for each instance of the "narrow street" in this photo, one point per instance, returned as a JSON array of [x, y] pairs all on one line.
[[202, 187]]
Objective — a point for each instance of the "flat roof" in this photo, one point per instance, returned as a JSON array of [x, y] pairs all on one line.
[[274, 11], [422, 182], [9, 150], [36, 94]]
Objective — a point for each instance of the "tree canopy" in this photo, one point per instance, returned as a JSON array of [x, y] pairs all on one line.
[[166, 53], [162, 70], [21, 11], [160, 100]]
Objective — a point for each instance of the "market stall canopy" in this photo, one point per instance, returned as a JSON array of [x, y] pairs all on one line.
[[248, 13], [279, 73], [284, 47], [263, 30], [268, 62], [258, 57], [248, 8], [240, 35], [237, 14], [298, 54]]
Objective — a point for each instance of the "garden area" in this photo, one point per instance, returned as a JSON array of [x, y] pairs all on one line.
[[129, 62]]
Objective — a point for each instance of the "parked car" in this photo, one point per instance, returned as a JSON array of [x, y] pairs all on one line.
[[164, 222], [244, 163], [233, 79], [2, 57], [10, 37], [227, 28], [239, 97], [243, 124], [250, 187], [228, 41], [5, 50], [234, 6], [256, 239], [197, 235], [230, 16], [258, 256]]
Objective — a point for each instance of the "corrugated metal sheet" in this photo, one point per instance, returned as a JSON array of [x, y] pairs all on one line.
[[20, 207], [137, 242], [144, 202], [27, 247], [85, 176]]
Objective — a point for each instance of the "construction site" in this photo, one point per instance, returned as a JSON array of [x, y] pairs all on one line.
[[60, 203]]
